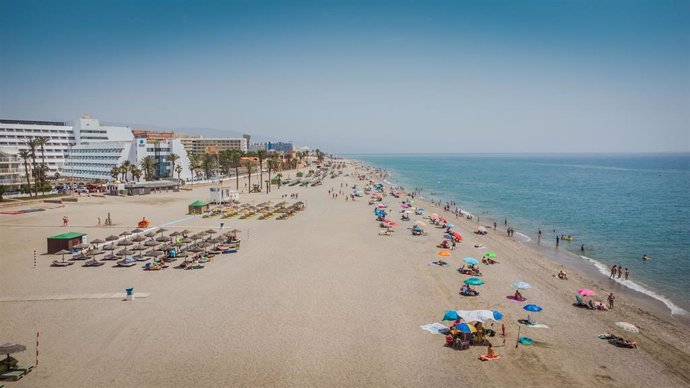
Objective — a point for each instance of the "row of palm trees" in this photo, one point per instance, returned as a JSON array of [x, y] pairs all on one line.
[[39, 171], [208, 165]]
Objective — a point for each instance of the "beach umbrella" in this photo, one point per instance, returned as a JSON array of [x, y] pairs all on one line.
[[466, 328], [629, 327], [63, 252], [391, 224], [109, 247], [109, 256], [150, 234], [139, 238], [97, 241], [94, 252], [450, 226], [186, 232], [175, 233], [444, 253], [586, 292], [443, 220], [79, 256], [474, 281], [450, 315], [139, 248], [125, 252], [162, 239], [161, 230], [490, 255], [151, 243], [480, 315], [125, 233], [125, 243], [520, 285], [456, 235], [533, 308], [137, 230], [112, 238], [470, 260], [9, 348], [210, 231]]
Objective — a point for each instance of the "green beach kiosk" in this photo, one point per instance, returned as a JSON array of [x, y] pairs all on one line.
[[198, 207], [65, 241]]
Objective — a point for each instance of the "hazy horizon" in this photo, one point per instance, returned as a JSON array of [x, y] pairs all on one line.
[[363, 77]]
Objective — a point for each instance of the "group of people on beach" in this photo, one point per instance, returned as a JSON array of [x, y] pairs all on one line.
[[617, 271]]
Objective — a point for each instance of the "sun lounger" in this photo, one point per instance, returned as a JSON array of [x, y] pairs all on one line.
[[57, 263], [12, 375], [93, 263]]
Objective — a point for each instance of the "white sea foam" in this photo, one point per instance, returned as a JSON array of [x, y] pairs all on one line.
[[523, 237], [605, 270]]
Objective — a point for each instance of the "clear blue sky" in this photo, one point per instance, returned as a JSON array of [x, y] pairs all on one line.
[[371, 76]]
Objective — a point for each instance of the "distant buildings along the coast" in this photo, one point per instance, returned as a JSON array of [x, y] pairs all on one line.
[[90, 150]]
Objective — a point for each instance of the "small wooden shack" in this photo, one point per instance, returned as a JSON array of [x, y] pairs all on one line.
[[198, 207], [65, 241]]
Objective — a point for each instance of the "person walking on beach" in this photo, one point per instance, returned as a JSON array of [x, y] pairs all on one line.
[[538, 235], [494, 225], [627, 273], [582, 248], [611, 299], [614, 270], [557, 240], [620, 271]]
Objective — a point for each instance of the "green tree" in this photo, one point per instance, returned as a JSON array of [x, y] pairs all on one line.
[[272, 165], [236, 157], [26, 154], [248, 165], [280, 179], [261, 154], [136, 172], [41, 141], [124, 169], [33, 144], [115, 172], [208, 163], [178, 170], [147, 163], [172, 158], [193, 165], [2, 192]]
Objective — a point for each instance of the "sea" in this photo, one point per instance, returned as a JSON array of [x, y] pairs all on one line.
[[620, 207]]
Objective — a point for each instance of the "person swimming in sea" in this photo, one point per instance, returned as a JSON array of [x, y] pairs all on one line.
[[645, 257]]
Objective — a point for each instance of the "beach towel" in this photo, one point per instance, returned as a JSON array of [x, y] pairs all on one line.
[[433, 264], [435, 328], [538, 326], [487, 358], [514, 299]]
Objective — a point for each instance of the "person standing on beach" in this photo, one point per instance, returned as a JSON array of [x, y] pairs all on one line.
[[611, 299], [494, 225], [620, 271], [614, 270], [582, 248], [627, 273], [538, 235], [557, 240]]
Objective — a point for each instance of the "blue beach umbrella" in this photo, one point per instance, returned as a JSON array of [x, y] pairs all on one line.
[[450, 225], [497, 316], [451, 315], [532, 308], [474, 281], [447, 236], [465, 328], [471, 260]]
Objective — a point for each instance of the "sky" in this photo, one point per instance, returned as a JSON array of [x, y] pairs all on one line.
[[362, 76]]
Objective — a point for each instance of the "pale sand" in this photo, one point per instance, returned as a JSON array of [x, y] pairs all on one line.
[[316, 300]]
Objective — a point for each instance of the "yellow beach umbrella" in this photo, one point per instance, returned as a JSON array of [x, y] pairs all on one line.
[[444, 253]]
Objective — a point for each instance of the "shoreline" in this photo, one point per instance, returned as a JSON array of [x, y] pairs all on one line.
[[668, 306]]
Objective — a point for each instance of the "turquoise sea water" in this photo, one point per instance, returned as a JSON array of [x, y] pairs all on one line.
[[619, 206]]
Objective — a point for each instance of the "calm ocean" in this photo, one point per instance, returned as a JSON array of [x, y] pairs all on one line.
[[619, 206]]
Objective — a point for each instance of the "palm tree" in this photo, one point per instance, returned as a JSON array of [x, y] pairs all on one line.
[[193, 165], [147, 164], [136, 172], [261, 154], [25, 154], [280, 179], [236, 160], [249, 173], [172, 158], [124, 169], [208, 163], [115, 172], [32, 144], [272, 164], [178, 170], [41, 141]]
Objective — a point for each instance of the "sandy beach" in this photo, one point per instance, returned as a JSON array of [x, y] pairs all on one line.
[[319, 299]]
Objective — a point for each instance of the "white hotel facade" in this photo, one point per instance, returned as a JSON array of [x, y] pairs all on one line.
[[87, 149]]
